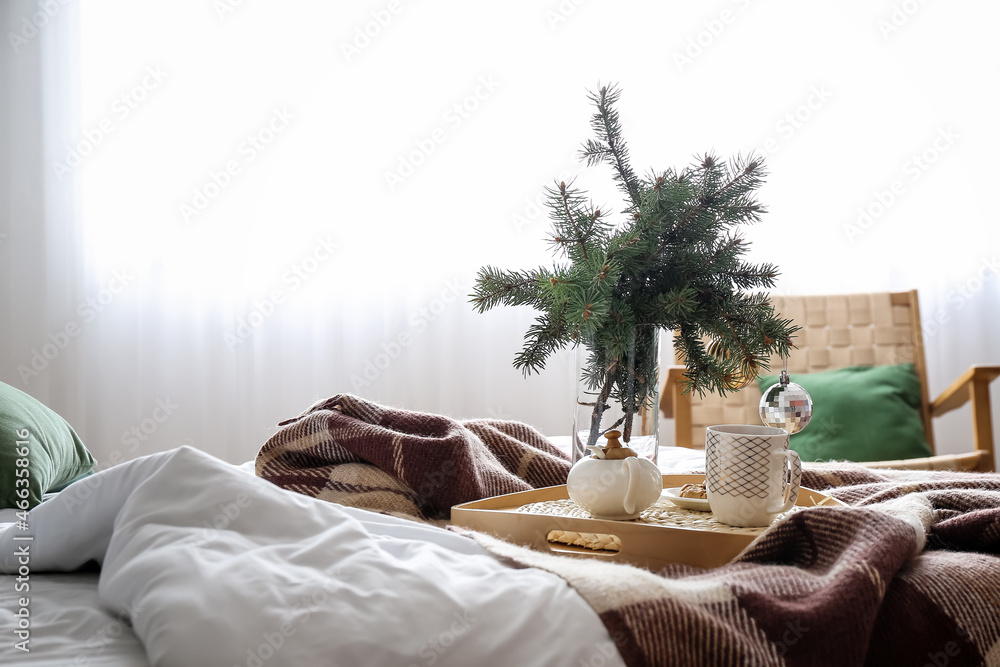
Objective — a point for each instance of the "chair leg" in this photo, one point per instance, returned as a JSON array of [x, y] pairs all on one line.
[[982, 424], [682, 416]]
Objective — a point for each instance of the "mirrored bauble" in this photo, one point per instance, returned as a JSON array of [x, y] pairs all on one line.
[[786, 405]]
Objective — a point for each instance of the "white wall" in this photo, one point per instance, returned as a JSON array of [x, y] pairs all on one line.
[[841, 105]]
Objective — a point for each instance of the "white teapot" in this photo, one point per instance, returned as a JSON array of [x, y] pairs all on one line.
[[614, 483]]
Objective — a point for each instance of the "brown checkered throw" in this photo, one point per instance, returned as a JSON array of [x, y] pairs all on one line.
[[361, 454], [908, 574]]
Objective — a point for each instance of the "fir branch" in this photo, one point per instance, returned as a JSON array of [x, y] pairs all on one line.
[[674, 262], [747, 276], [496, 287], [612, 149], [601, 405], [678, 304], [569, 216], [750, 171], [731, 246], [576, 224], [749, 362], [548, 334]]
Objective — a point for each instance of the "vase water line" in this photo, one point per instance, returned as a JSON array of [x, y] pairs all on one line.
[[617, 388]]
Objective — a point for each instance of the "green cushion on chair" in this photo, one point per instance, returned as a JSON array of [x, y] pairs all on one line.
[[860, 413], [55, 455]]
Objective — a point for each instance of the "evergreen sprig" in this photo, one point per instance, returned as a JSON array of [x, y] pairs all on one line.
[[675, 262]]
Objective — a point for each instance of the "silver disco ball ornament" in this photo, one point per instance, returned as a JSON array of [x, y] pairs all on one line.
[[786, 405]]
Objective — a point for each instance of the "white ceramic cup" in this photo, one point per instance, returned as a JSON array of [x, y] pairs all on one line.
[[750, 474]]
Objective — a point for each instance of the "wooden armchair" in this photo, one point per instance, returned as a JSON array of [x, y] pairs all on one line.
[[848, 330]]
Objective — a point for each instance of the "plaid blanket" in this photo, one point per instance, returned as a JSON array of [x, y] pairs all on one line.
[[908, 574], [361, 454]]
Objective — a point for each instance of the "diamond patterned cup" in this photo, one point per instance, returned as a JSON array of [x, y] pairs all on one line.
[[750, 474]]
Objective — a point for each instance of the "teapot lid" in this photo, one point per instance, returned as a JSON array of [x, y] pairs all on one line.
[[614, 450]]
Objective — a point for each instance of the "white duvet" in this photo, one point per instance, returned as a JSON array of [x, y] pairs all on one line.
[[211, 567]]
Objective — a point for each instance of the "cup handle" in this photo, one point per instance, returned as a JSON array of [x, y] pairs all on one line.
[[791, 493], [632, 470]]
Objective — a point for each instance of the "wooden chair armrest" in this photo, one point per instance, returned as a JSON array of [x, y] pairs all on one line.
[[973, 385], [959, 393]]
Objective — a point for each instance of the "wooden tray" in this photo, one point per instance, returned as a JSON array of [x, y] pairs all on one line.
[[648, 546]]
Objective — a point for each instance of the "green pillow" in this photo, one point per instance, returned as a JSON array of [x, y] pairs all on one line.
[[860, 413], [35, 439]]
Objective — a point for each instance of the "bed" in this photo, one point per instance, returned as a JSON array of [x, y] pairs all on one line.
[[181, 559], [204, 564]]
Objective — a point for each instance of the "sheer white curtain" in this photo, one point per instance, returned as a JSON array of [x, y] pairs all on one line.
[[41, 266], [242, 207]]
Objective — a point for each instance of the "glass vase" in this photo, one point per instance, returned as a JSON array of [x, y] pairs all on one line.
[[617, 389]]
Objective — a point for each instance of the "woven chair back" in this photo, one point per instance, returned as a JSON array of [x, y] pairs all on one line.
[[837, 331]]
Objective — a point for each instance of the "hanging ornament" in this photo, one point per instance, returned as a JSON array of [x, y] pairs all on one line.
[[786, 405], [744, 374]]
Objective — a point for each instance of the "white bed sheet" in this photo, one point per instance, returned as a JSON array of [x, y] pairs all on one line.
[[68, 626]]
